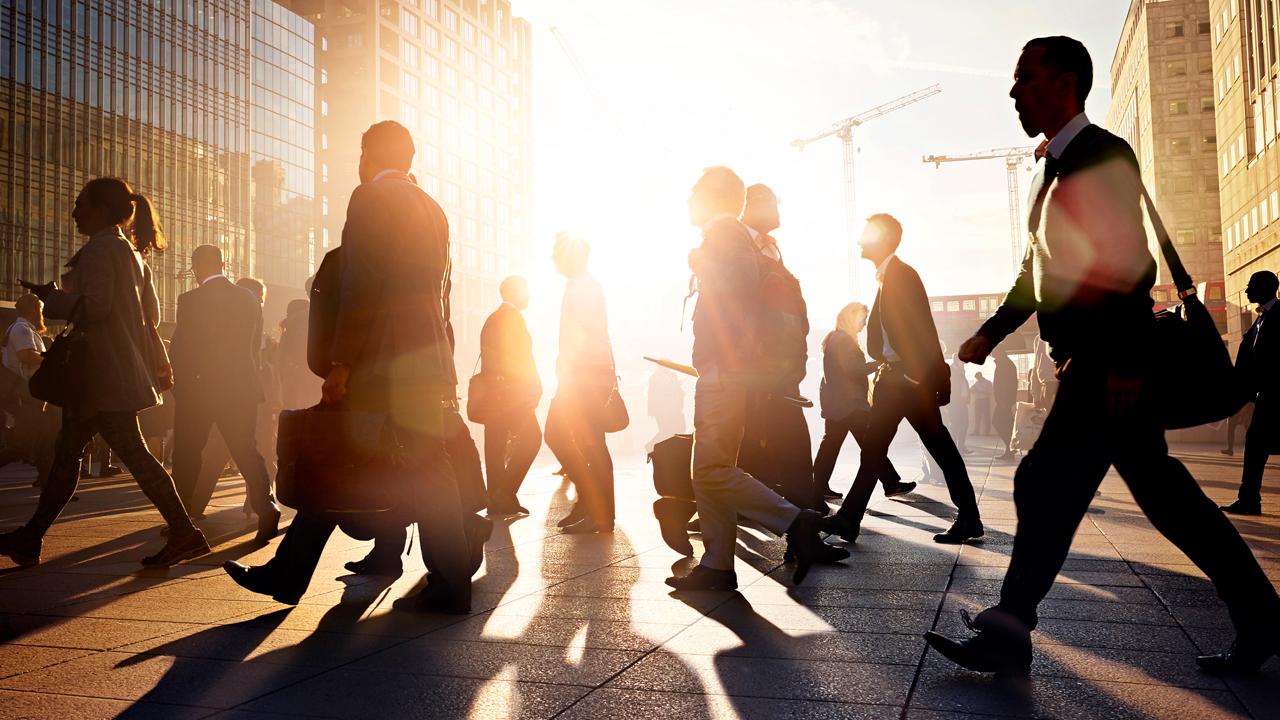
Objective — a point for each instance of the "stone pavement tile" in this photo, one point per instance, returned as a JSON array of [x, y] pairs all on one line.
[[1130, 666], [848, 598], [1083, 633], [1060, 591], [85, 633], [615, 703], [795, 617], [377, 695], [261, 643], [1202, 616], [1183, 569], [560, 632], [78, 586], [141, 606], [711, 638], [1123, 579], [1259, 692], [355, 618], [955, 690], [133, 568], [17, 659], [28, 705], [1161, 583], [656, 611], [480, 660], [916, 714], [187, 681], [900, 579], [1149, 613], [29, 601], [770, 677]]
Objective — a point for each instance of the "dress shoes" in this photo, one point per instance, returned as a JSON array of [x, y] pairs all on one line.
[[587, 526], [961, 531], [804, 540], [375, 564], [899, 488], [575, 515], [433, 599], [841, 527], [1244, 657], [830, 494], [695, 525], [178, 548], [259, 580], [705, 578], [673, 517], [22, 549], [1001, 645], [478, 531], [1242, 507], [268, 524], [507, 508]]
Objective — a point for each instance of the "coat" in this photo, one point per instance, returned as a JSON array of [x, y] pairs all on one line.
[[108, 293], [217, 344], [845, 385], [902, 314]]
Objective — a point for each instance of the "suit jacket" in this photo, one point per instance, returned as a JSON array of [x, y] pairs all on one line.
[[1087, 272], [107, 291], [902, 314], [506, 351], [724, 320], [217, 344], [391, 320], [845, 385], [1258, 357]]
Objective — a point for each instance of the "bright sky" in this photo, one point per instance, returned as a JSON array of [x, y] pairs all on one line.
[[682, 84]]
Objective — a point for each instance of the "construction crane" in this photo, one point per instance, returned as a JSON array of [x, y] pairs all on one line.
[[1013, 158], [577, 65], [844, 131]]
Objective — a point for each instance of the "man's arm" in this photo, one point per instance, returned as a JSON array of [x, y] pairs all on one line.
[[360, 278]]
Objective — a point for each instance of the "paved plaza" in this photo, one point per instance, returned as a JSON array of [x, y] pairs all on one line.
[[582, 627]]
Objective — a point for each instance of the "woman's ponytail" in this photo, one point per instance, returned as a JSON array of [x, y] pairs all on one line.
[[147, 234]]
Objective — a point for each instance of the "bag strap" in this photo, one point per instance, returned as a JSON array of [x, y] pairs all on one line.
[[1177, 271]]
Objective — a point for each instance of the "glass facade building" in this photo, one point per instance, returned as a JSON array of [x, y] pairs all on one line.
[[153, 91], [282, 152]]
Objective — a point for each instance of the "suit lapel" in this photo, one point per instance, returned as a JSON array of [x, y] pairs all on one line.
[[875, 329]]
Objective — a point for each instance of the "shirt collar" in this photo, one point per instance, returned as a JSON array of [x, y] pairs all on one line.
[[213, 277], [1266, 306], [1058, 145], [384, 173], [110, 231], [884, 265]]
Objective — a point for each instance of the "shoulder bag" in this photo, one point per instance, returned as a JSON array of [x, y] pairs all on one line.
[[60, 379], [614, 416]]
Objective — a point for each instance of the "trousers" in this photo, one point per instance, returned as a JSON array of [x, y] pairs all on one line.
[[575, 437], [855, 424], [511, 443], [1258, 442], [194, 417], [777, 449]]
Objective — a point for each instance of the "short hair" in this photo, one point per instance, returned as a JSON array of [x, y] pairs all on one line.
[[1265, 280], [577, 247], [206, 254], [509, 284], [389, 142], [253, 285], [888, 226], [723, 188], [1067, 55], [760, 191], [27, 304]]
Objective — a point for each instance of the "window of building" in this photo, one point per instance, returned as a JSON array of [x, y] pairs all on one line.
[[451, 20], [1263, 216], [468, 33], [1182, 184], [969, 305], [355, 40], [408, 53], [1206, 104], [1177, 107], [1204, 64], [1176, 68], [408, 22], [1275, 204], [1203, 27], [1173, 29], [1185, 237], [953, 306], [1208, 141], [1179, 146]]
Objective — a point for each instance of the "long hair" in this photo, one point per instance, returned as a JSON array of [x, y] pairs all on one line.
[[128, 208], [849, 321]]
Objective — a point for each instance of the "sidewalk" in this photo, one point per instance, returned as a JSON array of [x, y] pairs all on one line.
[[582, 627]]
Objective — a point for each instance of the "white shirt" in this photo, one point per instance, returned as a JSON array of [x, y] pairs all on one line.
[[769, 251], [1059, 143], [887, 350], [1264, 311], [211, 277], [384, 173], [21, 336]]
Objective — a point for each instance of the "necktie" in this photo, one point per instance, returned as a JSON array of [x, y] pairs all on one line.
[[1040, 188]]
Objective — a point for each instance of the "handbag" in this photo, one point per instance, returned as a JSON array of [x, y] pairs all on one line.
[[614, 416], [1192, 379], [61, 376], [483, 392]]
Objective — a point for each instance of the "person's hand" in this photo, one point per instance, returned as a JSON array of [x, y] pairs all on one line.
[[943, 396], [164, 377], [975, 350], [335, 384], [40, 291], [1122, 396]]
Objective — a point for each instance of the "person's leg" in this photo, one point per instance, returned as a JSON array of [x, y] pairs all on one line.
[[824, 463], [1257, 447], [887, 412], [496, 440], [525, 441], [124, 437], [295, 561], [237, 422], [793, 448], [464, 459], [64, 475], [192, 421], [926, 420], [439, 513], [559, 437]]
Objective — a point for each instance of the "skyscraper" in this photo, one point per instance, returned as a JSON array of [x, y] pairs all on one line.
[[1244, 73], [1162, 104], [457, 74]]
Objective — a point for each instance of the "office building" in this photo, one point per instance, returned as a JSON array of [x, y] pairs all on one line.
[[457, 74], [1162, 103], [1244, 71]]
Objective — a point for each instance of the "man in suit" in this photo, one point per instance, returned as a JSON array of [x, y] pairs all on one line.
[[1004, 396], [1087, 276], [215, 350], [725, 354], [912, 382], [512, 437], [390, 353], [1258, 362]]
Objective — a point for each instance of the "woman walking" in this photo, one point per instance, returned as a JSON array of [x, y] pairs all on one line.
[[108, 296]]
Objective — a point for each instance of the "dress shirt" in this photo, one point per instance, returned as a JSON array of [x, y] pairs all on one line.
[[212, 277], [1058, 145], [766, 248], [888, 352]]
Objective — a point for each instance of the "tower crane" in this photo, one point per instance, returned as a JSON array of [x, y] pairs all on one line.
[[844, 130], [1013, 157]]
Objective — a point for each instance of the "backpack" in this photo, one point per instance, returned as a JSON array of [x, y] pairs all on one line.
[[782, 326]]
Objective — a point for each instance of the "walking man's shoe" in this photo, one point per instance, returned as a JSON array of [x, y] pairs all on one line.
[[841, 527], [961, 531], [259, 580], [1004, 646], [899, 488], [1245, 656], [705, 578], [1242, 507], [20, 548], [268, 524], [375, 564], [807, 545], [179, 548]]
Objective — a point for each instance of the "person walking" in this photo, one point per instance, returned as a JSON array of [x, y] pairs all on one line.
[[725, 355], [844, 395], [32, 437], [512, 437], [216, 346], [1087, 276], [586, 375], [980, 394], [390, 354], [1258, 364], [108, 295], [912, 383], [1004, 397], [958, 410], [299, 388]]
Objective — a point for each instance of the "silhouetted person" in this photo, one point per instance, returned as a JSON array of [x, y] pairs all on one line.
[[216, 346], [586, 375], [1087, 276], [844, 395], [299, 388], [665, 405], [726, 357], [31, 440], [980, 395], [390, 354], [912, 382], [1258, 364], [1004, 400], [957, 412], [776, 447], [108, 293], [512, 437], [1243, 417]]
